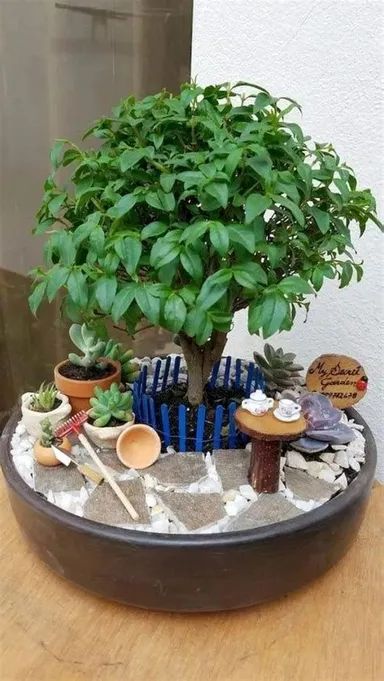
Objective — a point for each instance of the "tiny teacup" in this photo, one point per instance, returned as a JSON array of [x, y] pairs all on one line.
[[258, 403], [288, 408]]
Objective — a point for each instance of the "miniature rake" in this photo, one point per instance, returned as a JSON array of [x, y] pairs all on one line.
[[73, 425]]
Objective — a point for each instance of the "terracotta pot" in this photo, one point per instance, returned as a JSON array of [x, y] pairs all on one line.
[[80, 392], [32, 419], [138, 447], [45, 455], [107, 436]]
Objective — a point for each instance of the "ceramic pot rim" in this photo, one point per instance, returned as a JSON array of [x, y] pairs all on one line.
[[81, 388], [301, 523], [63, 401]]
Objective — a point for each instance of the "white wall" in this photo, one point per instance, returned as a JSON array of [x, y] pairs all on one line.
[[328, 56]]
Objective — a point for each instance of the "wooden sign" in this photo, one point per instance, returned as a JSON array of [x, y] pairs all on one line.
[[339, 377]]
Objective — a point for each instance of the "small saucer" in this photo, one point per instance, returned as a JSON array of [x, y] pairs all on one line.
[[286, 419]]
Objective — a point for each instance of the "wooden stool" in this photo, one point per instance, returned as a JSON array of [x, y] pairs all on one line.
[[267, 434]]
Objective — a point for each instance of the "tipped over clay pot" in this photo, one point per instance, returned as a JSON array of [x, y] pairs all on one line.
[[45, 455], [138, 447], [80, 392]]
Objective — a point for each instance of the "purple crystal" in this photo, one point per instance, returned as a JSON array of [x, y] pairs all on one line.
[[319, 412]]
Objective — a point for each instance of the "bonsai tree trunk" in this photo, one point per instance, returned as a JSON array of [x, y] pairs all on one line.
[[200, 360]]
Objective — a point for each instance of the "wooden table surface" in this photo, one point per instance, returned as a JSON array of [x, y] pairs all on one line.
[[331, 630]]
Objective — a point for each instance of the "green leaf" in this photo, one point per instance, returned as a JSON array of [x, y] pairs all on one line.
[[213, 289], [346, 274], [43, 225], [148, 304], [105, 293], [243, 235], [322, 219], [255, 205], [163, 252], [295, 284], [192, 263], [198, 325], [66, 248], [96, 239], [129, 251], [194, 231], [219, 237], [55, 204], [154, 229], [274, 312], [167, 180], [130, 158], [295, 210], [161, 200], [56, 278], [219, 191], [56, 153], [175, 313], [261, 164], [123, 300], [123, 206], [249, 274], [77, 288], [232, 161], [37, 296]]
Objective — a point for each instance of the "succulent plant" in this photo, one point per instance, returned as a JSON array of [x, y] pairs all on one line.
[[47, 436], [44, 399], [87, 341], [279, 368], [129, 370], [109, 404]]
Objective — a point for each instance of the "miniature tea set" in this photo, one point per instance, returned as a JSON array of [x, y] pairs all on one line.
[[259, 404]]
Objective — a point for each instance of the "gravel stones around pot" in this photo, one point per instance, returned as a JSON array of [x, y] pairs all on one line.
[[232, 466], [57, 479], [103, 506], [176, 470], [306, 487], [193, 511], [270, 508]]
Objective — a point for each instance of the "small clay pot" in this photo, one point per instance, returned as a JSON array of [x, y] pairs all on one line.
[[80, 392], [45, 455], [32, 419], [138, 447], [106, 437]]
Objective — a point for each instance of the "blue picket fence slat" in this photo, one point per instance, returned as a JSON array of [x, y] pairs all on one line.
[[145, 409], [182, 414]]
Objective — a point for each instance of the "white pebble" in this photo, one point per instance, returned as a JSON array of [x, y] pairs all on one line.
[[304, 505], [288, 493], [149, 481], [314, 468], [160, 524], [156, 510], [341, 458], [282, 462], [296, 460], [354, 464], [327, 474], [229, 495], [20, 429], [248, 492], [342, 481], [193, 488], [209, 485], [282, 487], [327, 457], [240, 501], [231, 508], [335, 467], [151, 500], [338, 448]]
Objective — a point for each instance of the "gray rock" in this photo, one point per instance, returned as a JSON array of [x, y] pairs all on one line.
[[103, 506], [57, 478], [309, 446], [338, 435], [193, 511], [306, 487], [178, 469], [268, 509], [232, 466]]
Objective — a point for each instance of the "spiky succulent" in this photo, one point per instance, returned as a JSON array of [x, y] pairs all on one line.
[[129, 370], [279, 368], [109, 404], [47, 436], [44, 399], [90, 345]]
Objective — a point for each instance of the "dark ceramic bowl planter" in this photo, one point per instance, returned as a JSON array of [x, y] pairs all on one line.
[[190, 572]]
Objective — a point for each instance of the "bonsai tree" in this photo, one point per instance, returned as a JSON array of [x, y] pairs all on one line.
[[193, 207]]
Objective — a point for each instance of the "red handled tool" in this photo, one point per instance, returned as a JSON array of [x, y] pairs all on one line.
[[73, 425]]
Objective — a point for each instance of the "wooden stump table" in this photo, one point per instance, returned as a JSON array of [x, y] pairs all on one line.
[[267, 434]]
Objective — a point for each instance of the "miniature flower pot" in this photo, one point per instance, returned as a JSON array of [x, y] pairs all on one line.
[[80, 392], [106, 437], [45, 455], [138, 447], [32, 419]]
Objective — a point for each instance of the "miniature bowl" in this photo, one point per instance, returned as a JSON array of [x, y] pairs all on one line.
[[106, 437], [138, 447], [32, 419]]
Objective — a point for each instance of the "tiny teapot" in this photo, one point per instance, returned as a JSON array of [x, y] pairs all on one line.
[[258, 403]]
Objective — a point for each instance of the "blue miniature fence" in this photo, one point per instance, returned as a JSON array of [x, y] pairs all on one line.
[[194, 437]]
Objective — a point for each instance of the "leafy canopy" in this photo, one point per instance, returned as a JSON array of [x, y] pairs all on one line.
[[195, 206]]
